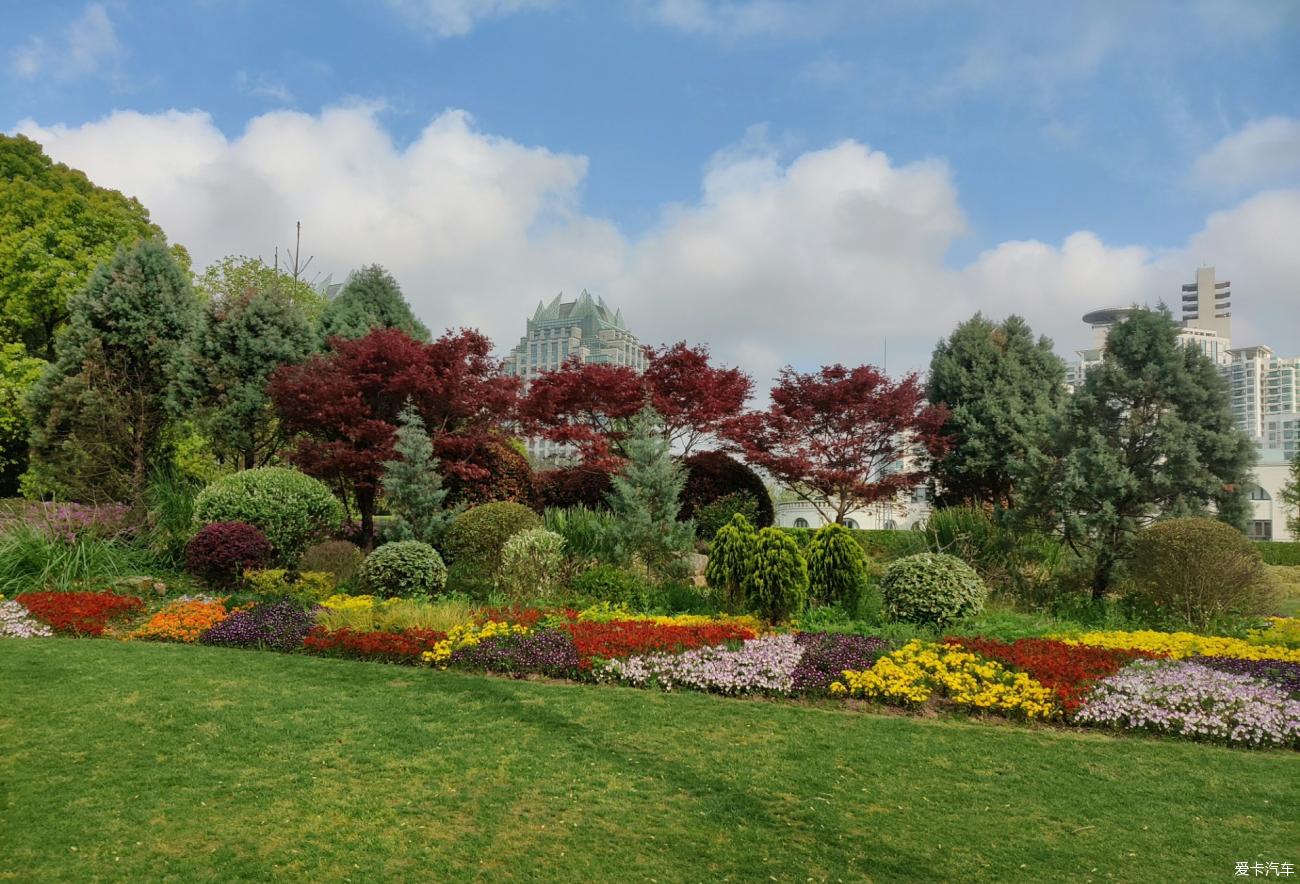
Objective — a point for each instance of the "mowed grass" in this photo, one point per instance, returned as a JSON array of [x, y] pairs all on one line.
[[166, 762]]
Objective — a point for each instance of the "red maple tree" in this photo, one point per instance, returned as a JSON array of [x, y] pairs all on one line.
[[342, 406], [693, 397], [842, 438]]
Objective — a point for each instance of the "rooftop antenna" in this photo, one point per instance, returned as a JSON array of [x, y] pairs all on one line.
[[294, 268]]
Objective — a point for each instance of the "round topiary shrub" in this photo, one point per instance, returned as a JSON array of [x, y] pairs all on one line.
[[730, 557], [1197, 570], [220, 552], [403, 569], [932, 588], [837, 567], [339, 558], [711, 475], [531, 563], [476, 537], [775, 584], [290, 508], [572, 486]]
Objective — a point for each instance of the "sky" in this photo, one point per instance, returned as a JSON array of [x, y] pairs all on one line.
[[788, 182]]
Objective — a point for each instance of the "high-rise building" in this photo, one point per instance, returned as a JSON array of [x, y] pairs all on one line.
[[584, 329]]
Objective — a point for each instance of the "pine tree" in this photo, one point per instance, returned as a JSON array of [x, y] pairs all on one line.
[[370, 299], [1001, 388], [837, 567], [731, 557], [413, 485], [645, 496], [1149, 433], [102, 410], [776, 586]]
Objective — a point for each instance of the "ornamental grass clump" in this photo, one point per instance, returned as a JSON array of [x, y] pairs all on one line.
[[1186, 699], [776, 584], [837, 567], [762, 665], [532, 563], [279, 626], [17, 622], [932, 588]]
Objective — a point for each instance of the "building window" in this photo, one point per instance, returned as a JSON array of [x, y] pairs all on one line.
[[849, 523], [1261, 530], [1258, 493], [801, 523]]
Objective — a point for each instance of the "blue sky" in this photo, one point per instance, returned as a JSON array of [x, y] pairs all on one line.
[[1135, 123]]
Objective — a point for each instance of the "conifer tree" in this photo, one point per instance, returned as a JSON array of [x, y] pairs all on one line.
[[776, 585], [413, 485], [837, 567], [645, 495], [1291, 499], [370, 299], [1149, 433], [731, 557]]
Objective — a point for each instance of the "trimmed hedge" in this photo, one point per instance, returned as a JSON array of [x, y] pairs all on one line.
[[403, 569], [876, 543], [1279, 552], [932, 588], [291, 508]]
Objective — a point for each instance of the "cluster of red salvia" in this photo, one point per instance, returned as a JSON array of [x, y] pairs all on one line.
[[622, 638], [79, 613], [391, 647], [1069, 670]]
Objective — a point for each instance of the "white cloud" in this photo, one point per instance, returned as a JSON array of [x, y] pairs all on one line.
[[813, 260], [261, 86], [456, 18], [740, 19], [87, 46], [1265, 152]]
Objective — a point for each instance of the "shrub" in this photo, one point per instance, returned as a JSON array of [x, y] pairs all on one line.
[[716, 513], [307, 586], [339, 558], [888, 545], [588, 534], [711, 475], [291, 509], [932, 588], [776, 582], [837, 567], [404, 568], [221, 551], [607, 583], [1279, 552], [578, 486], [413, 485], [503, 474], [477, 536], [531, 563], [1198, 570], [730, 557]]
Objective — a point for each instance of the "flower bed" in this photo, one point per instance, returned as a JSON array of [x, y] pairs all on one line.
[[1069, 670], [467, 636], [277, 625], [759, 665], [406, 646], [1190, 700], [826, 655], [79, 613], [1280, 672], [616, 639], [920, 671], [1283, 631], [17, 622], [548, 652], [183, 620], [1182, 644]]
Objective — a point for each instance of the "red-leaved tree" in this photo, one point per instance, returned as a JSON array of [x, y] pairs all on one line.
[[342, 407], [842, 438], [590, 405]]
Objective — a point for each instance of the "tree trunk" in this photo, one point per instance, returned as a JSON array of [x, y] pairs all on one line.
[[1101, 576], [366, 507]]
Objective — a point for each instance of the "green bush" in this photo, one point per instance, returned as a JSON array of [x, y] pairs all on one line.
[[888, 545], [341, 558], [1025, 565], [589, 535], [403, 569], [1199, 571], [730, 557], [1279, 552], [476, 537], [710, 517], [932, 588], [31, 559], [837, 567], [532, 562], [608, 583], [776, 583], [291, 508], [307, 587]]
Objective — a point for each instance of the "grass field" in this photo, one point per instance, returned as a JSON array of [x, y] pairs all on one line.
[[168, 762]]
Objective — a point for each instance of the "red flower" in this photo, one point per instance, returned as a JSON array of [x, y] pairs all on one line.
[[622, 638], [79, 613], [390, 647]]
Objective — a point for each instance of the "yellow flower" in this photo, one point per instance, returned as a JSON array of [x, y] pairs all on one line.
[[1183, 644]]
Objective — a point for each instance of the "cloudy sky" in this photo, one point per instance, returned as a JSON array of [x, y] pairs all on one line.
[[789, 182]]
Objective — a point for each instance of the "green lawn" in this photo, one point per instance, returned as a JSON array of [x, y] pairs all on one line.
[[167, 762]]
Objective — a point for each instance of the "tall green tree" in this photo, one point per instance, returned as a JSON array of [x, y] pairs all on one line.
[[370, 299], [1001, 388], [255, 320], [413, 485], [56, 227], [645, 495], [1150, 433], [1290, 495], [102, 411], [18, 374]]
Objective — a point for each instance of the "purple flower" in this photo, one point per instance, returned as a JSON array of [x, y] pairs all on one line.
[[277, 625], [827, 654], [1280, 672], [546, 651]]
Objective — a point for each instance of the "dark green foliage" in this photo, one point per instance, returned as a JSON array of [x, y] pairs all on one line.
[[1278, 552], [1199, 571], [475, 538], [404, 569], [776, 584], [716, 513], [608, 583], [291, 509], [712, 475], [1001, 388], [1149, 433], [18, 374], [1290, 498], [932, 588], [878, 544], [371, 299], [339, 558], [837, 567], [1023, 565], [102, 411], [413, 486], [731, 556], [645, 495], [589, 535], [253, 323]]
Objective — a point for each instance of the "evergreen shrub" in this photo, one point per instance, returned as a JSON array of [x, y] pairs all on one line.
[[476, 537], [775, 585], [292, 509], [731, 557], [403, 569], [932, 588], [837, 567]]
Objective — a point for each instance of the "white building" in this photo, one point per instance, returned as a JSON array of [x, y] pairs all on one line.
[[902, 513], [1268, 516]]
